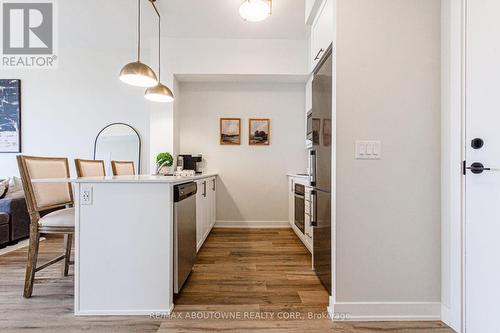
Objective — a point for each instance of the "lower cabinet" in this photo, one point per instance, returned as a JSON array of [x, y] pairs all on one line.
[[291, 201], [307, 235], [308, 230], [205, 209]]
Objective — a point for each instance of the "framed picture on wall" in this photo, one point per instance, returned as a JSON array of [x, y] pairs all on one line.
[[259, 132], [230, 131], [10, 116]]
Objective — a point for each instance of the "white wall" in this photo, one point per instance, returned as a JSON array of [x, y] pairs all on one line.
[[219, 56], [63, 109], [388, 210], [252, 183]]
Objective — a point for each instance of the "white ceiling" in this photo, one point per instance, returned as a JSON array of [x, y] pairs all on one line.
[[221, 19]]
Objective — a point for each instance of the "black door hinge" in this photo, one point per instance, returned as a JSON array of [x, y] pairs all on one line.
[[464, 168]]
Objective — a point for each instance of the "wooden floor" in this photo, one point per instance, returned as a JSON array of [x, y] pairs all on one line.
[[243, 274]]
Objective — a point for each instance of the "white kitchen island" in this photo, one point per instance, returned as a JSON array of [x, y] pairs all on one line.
[[124, 243]]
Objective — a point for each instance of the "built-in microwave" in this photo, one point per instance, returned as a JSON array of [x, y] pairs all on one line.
[[309, 133]]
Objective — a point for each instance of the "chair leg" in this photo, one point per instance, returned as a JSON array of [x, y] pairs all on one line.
[[68, 240], [32, 259]]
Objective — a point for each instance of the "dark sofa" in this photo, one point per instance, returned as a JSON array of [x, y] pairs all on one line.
[[4, 229], [14, 205]]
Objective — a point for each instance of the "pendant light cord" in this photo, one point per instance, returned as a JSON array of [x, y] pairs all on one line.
[[138, 30], [159, 38]]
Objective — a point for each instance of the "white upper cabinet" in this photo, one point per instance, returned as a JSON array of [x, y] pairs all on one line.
[[321, 32]]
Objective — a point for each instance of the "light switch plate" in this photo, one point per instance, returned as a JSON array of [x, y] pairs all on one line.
[[368, 150]]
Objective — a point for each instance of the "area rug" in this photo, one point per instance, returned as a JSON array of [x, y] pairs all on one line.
[[20, 245]]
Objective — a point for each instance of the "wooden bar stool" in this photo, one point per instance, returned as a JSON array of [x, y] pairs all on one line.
[[122, 168], [56, 199], [90, 168]]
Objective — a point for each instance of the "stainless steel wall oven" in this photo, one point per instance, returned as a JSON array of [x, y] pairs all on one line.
[[299, 191]]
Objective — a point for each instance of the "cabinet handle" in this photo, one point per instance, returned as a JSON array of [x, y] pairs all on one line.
[[205, 188], [291, 189], [213, 182], [319, 53]]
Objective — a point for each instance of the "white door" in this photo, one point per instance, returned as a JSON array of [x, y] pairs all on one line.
[[482, 190]]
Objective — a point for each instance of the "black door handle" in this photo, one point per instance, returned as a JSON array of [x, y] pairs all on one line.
[[477, 168]]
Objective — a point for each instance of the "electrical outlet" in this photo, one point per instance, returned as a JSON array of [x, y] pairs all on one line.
[[86, 195]]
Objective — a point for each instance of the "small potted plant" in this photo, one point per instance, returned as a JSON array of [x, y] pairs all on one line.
[[163, 161]]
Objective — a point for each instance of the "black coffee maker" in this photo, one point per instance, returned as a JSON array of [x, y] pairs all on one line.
[[190, 162]]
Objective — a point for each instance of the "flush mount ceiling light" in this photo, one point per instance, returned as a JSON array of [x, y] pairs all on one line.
[[256, 10], [137, 73], [160, 92]]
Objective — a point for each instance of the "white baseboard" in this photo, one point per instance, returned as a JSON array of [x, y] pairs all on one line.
[[385, 311], [447, 317], [157, 312], [445, 314], [252, 224]]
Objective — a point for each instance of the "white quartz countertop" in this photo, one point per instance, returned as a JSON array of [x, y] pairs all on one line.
[[126, 179]]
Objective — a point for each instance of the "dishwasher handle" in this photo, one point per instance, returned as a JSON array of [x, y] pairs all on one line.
[[184, 191]]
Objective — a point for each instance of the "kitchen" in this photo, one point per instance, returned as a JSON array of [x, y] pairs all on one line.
[[265, 207], [215, 194], [203, 103]]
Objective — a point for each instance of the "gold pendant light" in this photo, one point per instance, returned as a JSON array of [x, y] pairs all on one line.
[[160, 92], [137, 73]]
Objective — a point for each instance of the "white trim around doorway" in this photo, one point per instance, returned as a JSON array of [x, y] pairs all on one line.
[[453, 92]]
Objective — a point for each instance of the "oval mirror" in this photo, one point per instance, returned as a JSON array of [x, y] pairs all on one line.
[[118, 142]]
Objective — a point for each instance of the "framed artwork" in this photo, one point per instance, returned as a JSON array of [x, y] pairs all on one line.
[[10, 116], [259, 132], [230, 131]]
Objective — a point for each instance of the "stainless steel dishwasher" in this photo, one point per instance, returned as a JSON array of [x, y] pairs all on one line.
[[184, 232]]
